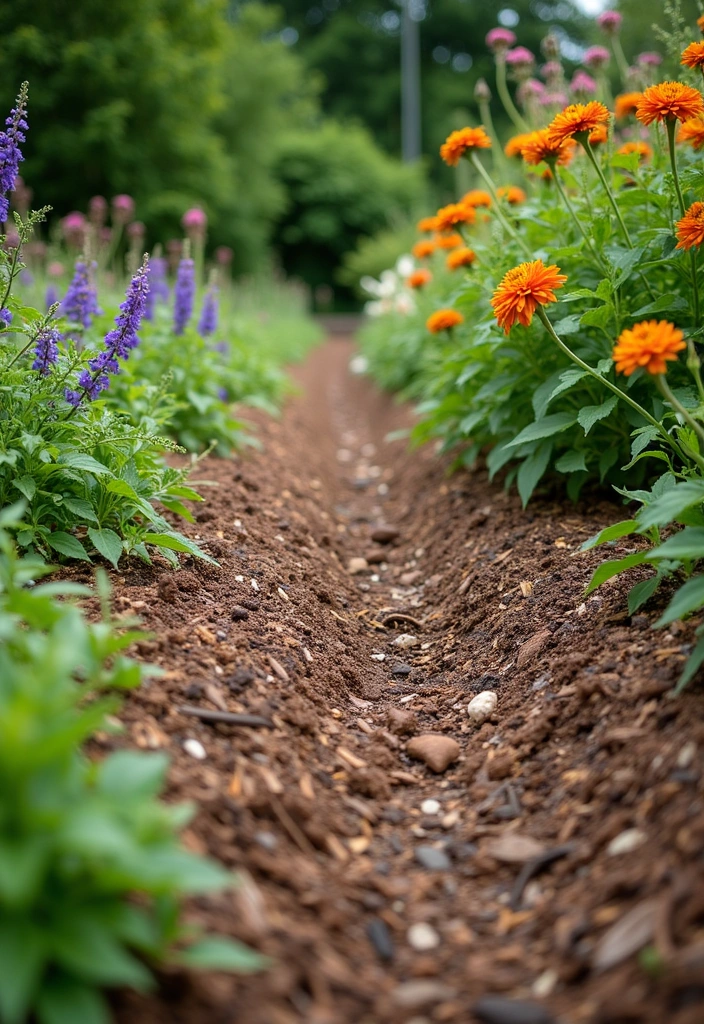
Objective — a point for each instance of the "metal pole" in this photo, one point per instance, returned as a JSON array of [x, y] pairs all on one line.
[[410, 84]]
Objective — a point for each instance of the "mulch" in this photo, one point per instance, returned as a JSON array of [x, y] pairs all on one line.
[[553, 871]]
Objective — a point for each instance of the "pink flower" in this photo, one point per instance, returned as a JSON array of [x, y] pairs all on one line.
[[55, 269], [97, 210], [136, 230], [223, 255], [649, 60], [529, 89], [74, 228], [551, 70], [583, 84], [194, 222], [499, 39], [596, 57], [123, 208], [554, 99], [520, 57], [609, 22]]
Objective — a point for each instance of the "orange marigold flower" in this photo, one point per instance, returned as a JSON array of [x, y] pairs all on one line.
[[692, 131], [522, 290], [538, 147], [443, 320], [576, 119], [451, 241], [428, 224], [421, 250], [627, 103], [598, 136], [459, 142], [643, 150], [419, 278], [693, 55], [463, 257], [669, 101], [650, 344], [512, 194], [514, 146], [455, 213], [690, 229], [700, 23], [476, 197]]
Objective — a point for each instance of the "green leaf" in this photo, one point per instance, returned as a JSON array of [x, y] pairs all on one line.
[[553, 386], [26, 485], [590, 414], [67, 545], [568, 325], [531, 470], [546, 427], [127, 773], [108, 543], [599, 317], [625, 261], [64, 1001], [85, 945], [690, 669], [571, 462], [613, 532], [613, 567], [80, 460], [497, 458], [177, 542], [214, 953], [642, 592], [81, 508], [642, 439], [123, 488], [671, 303], [687, 545], [689, 598], [22, 955], [671, 504]]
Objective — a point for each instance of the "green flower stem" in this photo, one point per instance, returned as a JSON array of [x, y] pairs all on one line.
[[505, 96], [678, 407], [573, 214], [671, 125], [497, 153], [19, 354], [612, 387], [497, 205], [620, 59], [694, 365], [584, 139]]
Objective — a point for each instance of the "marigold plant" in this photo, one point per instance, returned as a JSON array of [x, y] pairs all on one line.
[[649, 344], [460, 142], [443, 320]]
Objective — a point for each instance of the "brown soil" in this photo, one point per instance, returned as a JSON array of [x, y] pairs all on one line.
[[322, 812]]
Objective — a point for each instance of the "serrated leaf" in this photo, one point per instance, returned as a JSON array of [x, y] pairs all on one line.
[[81, 508], [568, 325], [571, 462], [80, 460], [108, 543], [601, 316], [689, 598], [590, 414], [26, 485], [67, 545], [671, 303], [548, 426], [668, 506]]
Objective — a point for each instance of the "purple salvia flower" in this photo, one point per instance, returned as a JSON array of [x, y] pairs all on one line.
[[5, 317], [158, 285], [46, 350], [223, 394], [184, 293], [119, 342], [52, 296], [208, 323], [10, 153], [80, 303]]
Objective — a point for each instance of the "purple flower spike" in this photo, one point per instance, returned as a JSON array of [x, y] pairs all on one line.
[[10, 153], [52, 296], [119, 342], [46, 350], [80, 303], [208, 323], [158, 285], [5, 317], [184, 294]]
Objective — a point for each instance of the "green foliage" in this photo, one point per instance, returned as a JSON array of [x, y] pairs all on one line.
[[372, 255], [80, 840]]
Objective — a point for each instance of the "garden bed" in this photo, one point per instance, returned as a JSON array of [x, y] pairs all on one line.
[[321, 808]]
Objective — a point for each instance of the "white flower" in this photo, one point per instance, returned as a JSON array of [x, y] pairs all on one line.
[[405, 265]]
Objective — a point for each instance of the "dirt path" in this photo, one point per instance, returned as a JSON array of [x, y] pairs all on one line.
[[385, 891]]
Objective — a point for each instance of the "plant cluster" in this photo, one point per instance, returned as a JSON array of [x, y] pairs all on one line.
[[605, 227], [92, 875]]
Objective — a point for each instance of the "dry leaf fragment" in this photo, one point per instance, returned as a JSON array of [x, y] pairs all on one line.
[[633, 931]]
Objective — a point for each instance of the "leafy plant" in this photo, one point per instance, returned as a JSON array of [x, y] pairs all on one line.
[[92, 876]]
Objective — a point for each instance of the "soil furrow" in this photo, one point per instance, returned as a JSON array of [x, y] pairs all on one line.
[[363, 598]]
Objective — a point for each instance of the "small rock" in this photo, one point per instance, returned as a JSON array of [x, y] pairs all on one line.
[[384, 534], [626, 842], [406, 640], [401, 721], [375, 556], [401, 669], [432, 858], [501, 1010], [267, 840], [407, 579], [357, 565], [422, 937], [511, 848], [430, 806], [380, 938], [686, 755], [378, 657], [437, 751], [411, 995], [195, 748], [482, 707], [532, 647]]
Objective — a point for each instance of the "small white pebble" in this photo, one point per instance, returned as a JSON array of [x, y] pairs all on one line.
[[382, 489], [238, 523], [307, 655], [686, 755], [482, 707], [282, 593], [422, 937], [626, 842], [254, 585], [430, 806], [375, 577], [544, 984], [239, 579], [406, 640], [379, 657], [195, 748], [407, 698]]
